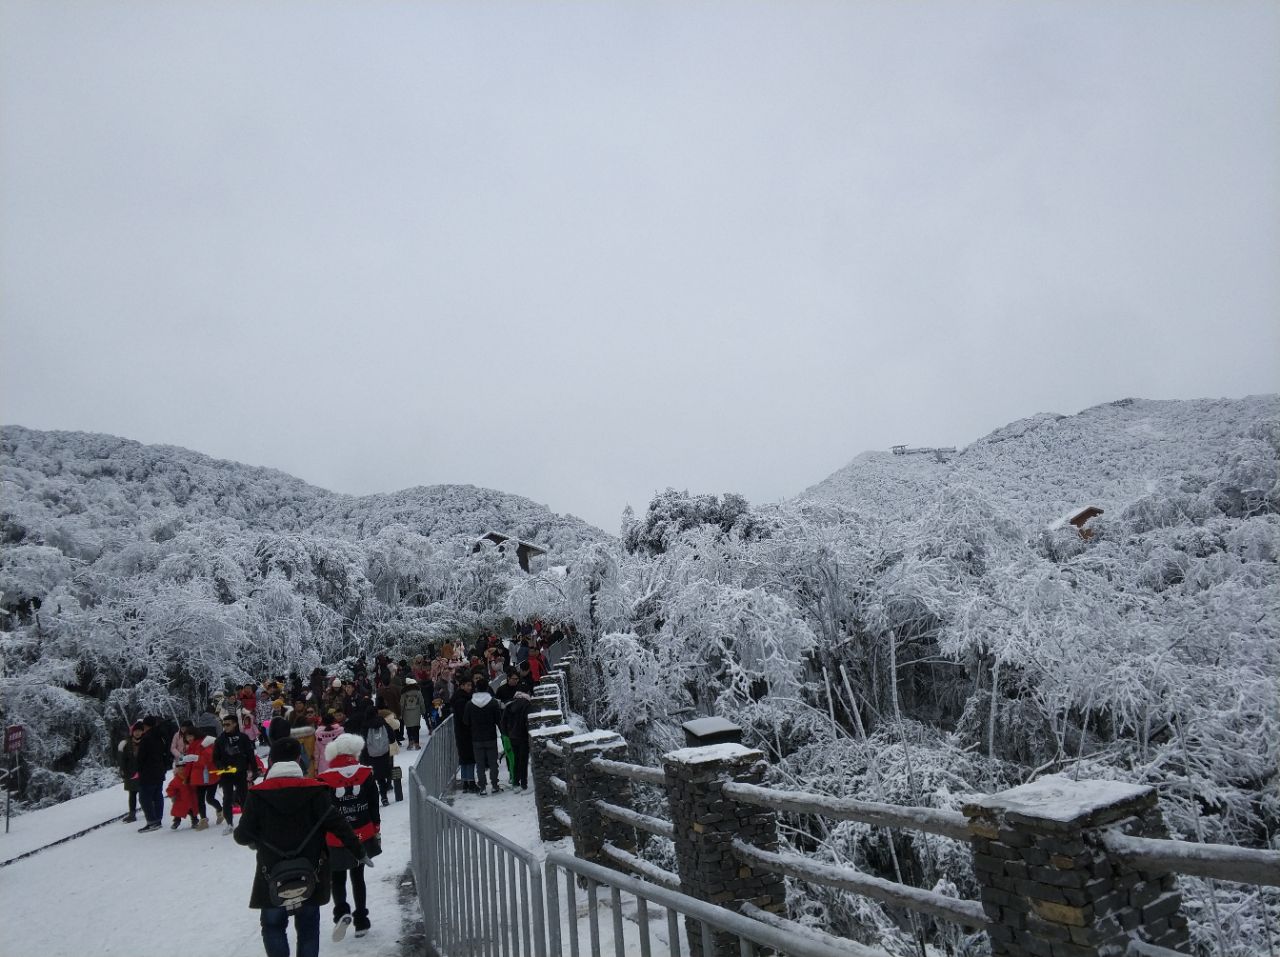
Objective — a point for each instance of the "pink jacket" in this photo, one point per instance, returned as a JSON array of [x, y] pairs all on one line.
[[323, 736]]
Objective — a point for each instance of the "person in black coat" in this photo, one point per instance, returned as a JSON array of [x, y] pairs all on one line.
[[378, 738], [154, 762], [233, 755], [515, 725], [461, 732], [481, 717], [281, 812]]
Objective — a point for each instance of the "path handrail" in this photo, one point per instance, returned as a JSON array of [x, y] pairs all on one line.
[[1224, 862], [966, 912], [633, 772], [950, 824]]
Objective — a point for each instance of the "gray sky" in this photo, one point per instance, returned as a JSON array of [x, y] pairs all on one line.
[[582, 252]]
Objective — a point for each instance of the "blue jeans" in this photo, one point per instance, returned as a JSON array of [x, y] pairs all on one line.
[[306, 924], [151, 797]]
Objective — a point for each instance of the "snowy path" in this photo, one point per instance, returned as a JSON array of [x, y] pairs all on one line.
[[117, 893]]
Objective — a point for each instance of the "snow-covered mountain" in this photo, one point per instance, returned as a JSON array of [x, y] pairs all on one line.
[[96, 483], [1038, 468]]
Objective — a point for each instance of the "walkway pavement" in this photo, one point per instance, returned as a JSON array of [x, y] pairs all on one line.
[[116, 893]]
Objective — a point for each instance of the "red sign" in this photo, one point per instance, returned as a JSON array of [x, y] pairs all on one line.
[[13, 736]]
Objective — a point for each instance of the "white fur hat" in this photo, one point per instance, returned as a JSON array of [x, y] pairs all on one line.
[[351, 744]]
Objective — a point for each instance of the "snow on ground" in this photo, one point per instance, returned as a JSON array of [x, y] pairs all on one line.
[[36, 829], [117, 893]]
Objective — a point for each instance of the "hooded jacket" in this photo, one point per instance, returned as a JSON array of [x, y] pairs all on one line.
[[355, 793], [282, 810], [482, 714], [412, 706]]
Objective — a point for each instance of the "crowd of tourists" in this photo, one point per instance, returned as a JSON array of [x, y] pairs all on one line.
[[308, 764]]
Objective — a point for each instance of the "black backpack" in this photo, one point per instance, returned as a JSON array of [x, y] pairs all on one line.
[[291, 880]]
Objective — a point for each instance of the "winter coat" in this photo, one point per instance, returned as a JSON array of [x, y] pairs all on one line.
[[182, 796], [481, 716], [281, 810], [154, 759], [234, 750], [128, 758], [380, 763], [178, 747], [198, 762], [324, 737], [537, 666], [248, 726], [411, 707], [356, 795], [334, 699], [264, 708], [515, 719], [461, 731]]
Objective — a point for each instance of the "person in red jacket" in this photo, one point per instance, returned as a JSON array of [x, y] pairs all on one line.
[[355, 793], [201, 776]]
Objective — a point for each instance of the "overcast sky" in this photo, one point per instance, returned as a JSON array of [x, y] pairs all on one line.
[[585, 251]]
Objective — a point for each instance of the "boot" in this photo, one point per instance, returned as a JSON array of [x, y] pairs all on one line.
[[202, 824], [362, 921]]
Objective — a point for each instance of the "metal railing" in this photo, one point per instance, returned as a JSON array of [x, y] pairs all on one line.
[[480, 894], [655, 927]]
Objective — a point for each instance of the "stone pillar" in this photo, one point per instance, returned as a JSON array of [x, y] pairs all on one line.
[[592, 829], [562, 674], [706, 822], [545, 765], [1048, 884], [546, 718], [546, 697]]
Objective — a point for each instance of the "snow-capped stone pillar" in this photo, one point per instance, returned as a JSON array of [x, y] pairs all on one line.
[[562, 674], [1048, 883], [706, 822], [546, 698], [591, 829], [546, 765]]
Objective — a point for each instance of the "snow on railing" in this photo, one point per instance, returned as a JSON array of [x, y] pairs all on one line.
[[555, 749], [932, 820], [559, 784], [966, 912], [633, 772], [650, 872], [641, 822], [1221, 861], [562, 816]]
